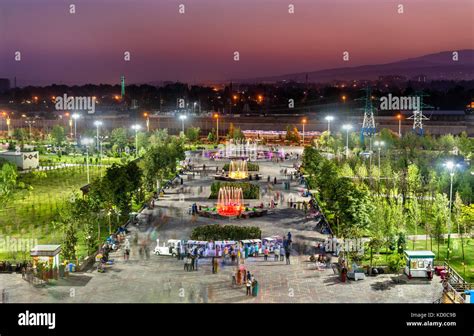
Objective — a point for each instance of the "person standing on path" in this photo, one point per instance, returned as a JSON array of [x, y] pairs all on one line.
[[248, 284], [265, 253], [276, 253], [186, 263], [282, 253], [287, 255]]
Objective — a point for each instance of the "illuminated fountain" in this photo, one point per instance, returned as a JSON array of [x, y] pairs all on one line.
[[238, 170], [230, 201], [242, 149]]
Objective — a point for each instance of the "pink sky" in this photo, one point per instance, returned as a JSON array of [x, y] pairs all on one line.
[[165, 45]]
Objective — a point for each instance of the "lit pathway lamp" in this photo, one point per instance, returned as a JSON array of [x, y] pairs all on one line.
[[329, 119], [97, 124], [136, 127], [347, 128], [75, 116], [147, 117], [86, 142], [451, 166], [303, 122], [217, 126], [183, 118], [379, 145], [399, 117]]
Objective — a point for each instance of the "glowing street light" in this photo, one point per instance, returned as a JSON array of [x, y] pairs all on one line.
[[344, 98], [451, 166], [329, 119], [347, 128], [136, 127], [399, 117], [217, 122], [86, 142], [379, 145], [183, 118], [75, 116], [147, 116], [97, 124], [303, 122], [29, 123]]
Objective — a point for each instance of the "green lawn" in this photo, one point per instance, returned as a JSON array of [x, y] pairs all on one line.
[[455, 258], [53, 159], [30, 215]]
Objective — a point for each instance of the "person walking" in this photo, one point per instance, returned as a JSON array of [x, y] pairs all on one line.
[[282, 253], [248, 284], [215, 265], [287, 256], [186, 263], [196, 258], [191, 263], [276, 253], [265, 253]]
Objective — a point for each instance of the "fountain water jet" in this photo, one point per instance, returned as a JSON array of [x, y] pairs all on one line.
[[238, 170], [230, 201]]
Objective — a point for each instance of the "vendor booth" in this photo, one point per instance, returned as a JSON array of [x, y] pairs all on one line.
[[418, 263], [46, 258]]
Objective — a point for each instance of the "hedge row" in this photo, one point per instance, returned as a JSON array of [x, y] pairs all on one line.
[[250, 167], [226, 232], [249, 190]]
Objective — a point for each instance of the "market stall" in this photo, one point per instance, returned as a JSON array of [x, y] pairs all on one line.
[[46, 260], [418, 263]]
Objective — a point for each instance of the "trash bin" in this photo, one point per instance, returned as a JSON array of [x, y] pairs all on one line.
[[71, 267], [255, 289]]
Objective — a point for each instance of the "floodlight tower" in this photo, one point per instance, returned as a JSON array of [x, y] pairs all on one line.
[[418, 115], [368, 125]]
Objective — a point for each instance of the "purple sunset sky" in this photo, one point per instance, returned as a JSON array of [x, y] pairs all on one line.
[[88, 47]]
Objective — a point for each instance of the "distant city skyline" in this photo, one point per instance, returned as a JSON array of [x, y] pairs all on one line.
[[198, 46]]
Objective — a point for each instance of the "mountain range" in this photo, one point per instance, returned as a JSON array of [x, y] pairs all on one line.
[[436, 66]]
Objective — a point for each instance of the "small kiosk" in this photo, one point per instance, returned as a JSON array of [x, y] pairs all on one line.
[[417, 263], [47, 255]]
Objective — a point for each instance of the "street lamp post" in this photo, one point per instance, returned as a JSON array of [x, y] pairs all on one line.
[[329, 119], [75, 116], [303, 122], [86, 142], [136, 127], [217, 126], [451, 166], [97, 124], [379, 145], [182, 117], [147, 116], [29, 123], [399, 117], [347, 128]]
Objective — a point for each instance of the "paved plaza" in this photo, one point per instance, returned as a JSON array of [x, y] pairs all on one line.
[[163, 279]]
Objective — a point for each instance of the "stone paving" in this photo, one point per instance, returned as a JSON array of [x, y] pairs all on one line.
[[163, 279]]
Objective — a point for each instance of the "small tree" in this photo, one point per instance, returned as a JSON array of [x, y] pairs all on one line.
[[395, 263], [192, 133], [68, 247]]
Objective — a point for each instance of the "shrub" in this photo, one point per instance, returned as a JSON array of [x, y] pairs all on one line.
[[249, 190], [226, 232], [250, 167]]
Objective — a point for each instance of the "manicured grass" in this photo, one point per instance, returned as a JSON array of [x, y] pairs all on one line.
[[49, 159], [31, 213], [455, 258]]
